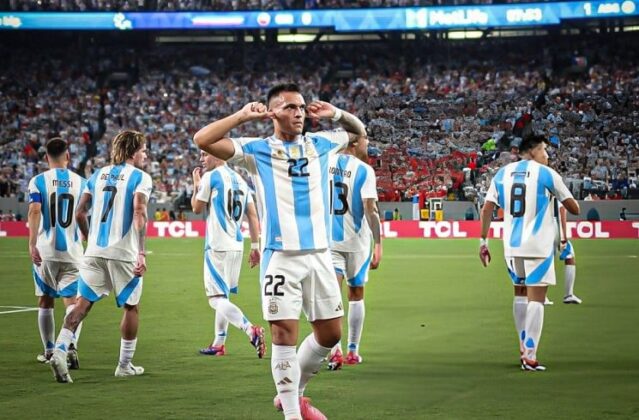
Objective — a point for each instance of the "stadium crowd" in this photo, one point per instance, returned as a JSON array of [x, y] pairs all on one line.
[[438, 127], [224, 5]]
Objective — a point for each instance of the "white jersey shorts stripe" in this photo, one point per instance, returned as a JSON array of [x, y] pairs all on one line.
[[67, 281], [532, 271]]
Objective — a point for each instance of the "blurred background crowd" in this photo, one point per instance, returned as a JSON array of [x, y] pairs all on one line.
[[441, 118]]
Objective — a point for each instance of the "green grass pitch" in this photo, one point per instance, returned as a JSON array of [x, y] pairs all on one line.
[[438, 342]]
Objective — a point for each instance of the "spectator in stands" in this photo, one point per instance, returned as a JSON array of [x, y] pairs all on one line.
[[157, 216], [396, 214]]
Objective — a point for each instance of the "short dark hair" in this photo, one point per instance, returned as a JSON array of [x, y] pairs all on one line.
[[531, 142], [283, 87], [56, 147]]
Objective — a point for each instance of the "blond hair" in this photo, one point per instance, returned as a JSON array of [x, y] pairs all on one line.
[[124, 146]]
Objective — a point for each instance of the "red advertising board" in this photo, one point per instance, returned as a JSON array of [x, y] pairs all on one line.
[[394, 229]]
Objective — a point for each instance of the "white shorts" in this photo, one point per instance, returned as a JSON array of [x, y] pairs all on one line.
[[568, 252], [532, 271], [98, 276], [56, 279], [292, 281], [222, 272], [353, 266]]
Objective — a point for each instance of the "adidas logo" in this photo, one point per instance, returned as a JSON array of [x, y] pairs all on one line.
[[339, 307], [285, 381]]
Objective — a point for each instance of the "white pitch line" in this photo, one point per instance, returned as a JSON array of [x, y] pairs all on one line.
[[17, 309]]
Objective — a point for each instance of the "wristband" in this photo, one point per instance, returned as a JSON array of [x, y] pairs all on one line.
[[338, 115], [483, 241], [255, 245]]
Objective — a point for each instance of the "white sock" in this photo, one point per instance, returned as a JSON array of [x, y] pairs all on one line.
[[534, 325], [127, 349], [46, 325], [356, 314], [65, 338], [232, 313], [520, 305], [221, 328], [77, 330], [310, 355], [286, 375], [570, 273]]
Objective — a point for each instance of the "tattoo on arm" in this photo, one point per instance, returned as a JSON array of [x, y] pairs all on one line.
[[372, 217], [352, 124]]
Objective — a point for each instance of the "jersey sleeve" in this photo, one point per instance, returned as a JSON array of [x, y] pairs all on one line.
[[338, 139], [35, 196], [558, 188], [241, 150], [145, 186], [204, 189], [491, 194], [369, 189], [89, 188]]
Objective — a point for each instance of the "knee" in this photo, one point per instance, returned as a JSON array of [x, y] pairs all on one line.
[[355, 293], [45, 302], [214, 301]]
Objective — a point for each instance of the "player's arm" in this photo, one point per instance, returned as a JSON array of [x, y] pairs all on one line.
[[196, 205], [349, 122], [82, 214], [486, 217], [572, 206], [372, 217], [34, 216], [139, 223], [212, 138], [254, 232], [563, 234]]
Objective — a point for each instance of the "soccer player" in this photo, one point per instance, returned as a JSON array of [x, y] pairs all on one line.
[[355, 220], [228, 199], [116, 196], [54, 243], [523, 190], [290, 173]]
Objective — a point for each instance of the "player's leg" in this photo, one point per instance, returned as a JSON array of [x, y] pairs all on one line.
[[357, 273], [336, 358], [46, 326], [94, 283], [127, 288], [356, 315], [540, 273], [46, 291], [520, 300], [570, 272], [68, 279], [221, 277], [322, 302], [281, 290]]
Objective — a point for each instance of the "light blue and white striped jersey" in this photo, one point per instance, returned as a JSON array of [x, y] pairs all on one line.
[[227, 195], [112, 189], [523, 190], [58, 191], [292, 184], [352, 181]]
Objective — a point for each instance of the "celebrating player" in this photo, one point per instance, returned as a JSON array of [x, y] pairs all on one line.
[[290, 171], [523, 190], [114, 260], [54, 243], [228, 198], [355, 220]]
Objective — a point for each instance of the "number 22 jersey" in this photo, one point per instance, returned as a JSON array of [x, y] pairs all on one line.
[[524, 190], [112, 189]]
